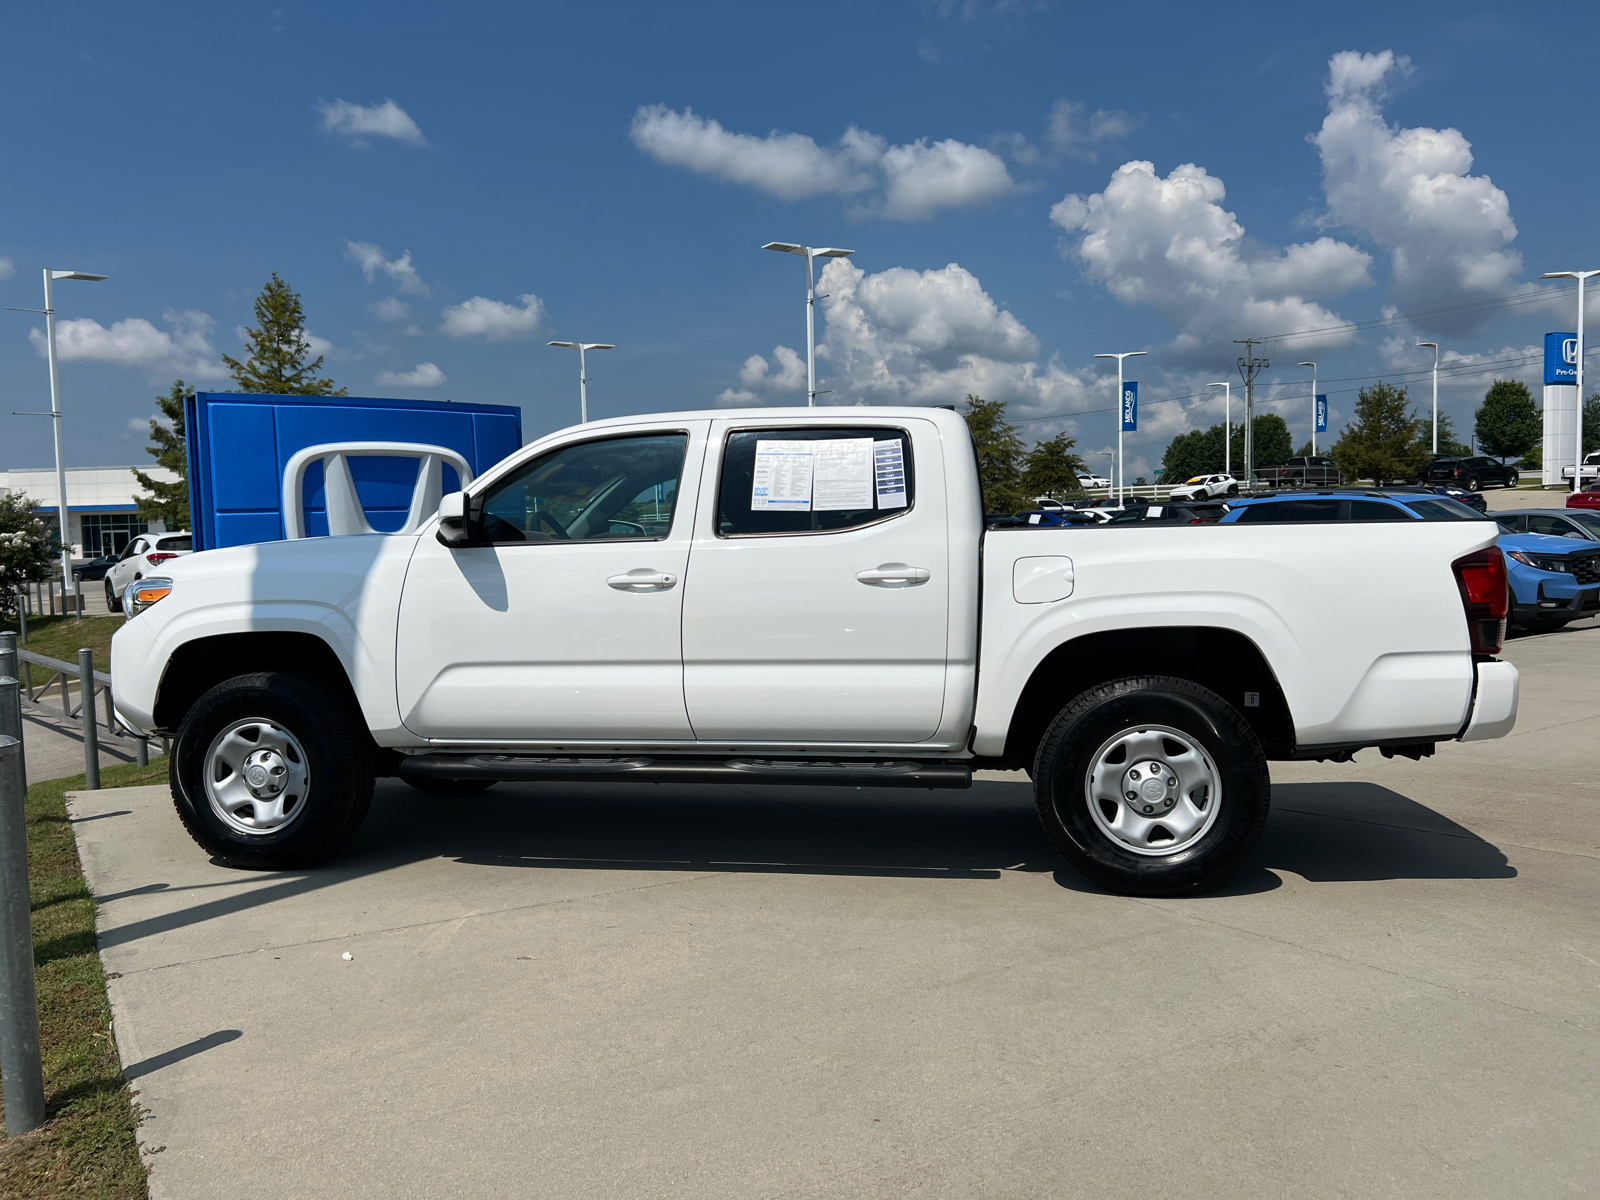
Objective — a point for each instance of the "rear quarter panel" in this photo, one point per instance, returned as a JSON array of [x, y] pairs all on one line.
[[1361, 623]]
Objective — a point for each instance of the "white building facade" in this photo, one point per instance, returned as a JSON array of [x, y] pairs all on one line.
[[102, 516]]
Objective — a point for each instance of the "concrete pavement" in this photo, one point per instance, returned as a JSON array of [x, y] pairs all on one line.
[[664, 991]]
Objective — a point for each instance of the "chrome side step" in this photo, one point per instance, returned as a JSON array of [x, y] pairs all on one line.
[[675, 769]]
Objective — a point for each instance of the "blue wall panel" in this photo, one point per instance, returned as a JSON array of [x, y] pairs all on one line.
[[239, 446]]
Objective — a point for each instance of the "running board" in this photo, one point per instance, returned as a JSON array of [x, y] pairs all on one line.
[[641, 769]]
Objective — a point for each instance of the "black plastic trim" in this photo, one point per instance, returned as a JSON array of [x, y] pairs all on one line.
[[640, 768]]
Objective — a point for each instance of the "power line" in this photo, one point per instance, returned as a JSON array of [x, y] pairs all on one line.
[[1537, 296]]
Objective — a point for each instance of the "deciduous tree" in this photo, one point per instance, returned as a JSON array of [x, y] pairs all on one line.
[[1508, 424], [999, 450], [1051, 469]]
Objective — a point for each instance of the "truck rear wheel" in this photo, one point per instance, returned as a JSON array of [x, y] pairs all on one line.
[[271, 771], [1152, 786]]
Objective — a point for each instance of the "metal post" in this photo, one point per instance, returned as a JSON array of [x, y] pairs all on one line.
[[811, 334], [21, 1064], [1577, 440], [91, 735], [141, 751], [22, 615], [11, 701], [55, 425]]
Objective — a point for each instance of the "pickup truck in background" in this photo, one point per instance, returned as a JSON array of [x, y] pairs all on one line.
[[1302, 471], [806, 596]]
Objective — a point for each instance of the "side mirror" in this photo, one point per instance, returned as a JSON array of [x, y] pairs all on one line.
[[453, 525]]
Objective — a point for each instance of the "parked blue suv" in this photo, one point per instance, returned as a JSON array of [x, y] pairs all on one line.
[[1553, 579]]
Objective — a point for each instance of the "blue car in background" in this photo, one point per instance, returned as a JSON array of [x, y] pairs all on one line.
[[1553, 579], [1347, 505]]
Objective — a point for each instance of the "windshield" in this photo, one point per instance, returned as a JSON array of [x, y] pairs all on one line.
[[1196, 479], [1443, 509]]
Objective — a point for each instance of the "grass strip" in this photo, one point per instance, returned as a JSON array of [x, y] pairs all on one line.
[[61, 637], [86, 1147]]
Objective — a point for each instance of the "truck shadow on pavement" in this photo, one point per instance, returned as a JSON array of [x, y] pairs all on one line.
[[1323, 832]]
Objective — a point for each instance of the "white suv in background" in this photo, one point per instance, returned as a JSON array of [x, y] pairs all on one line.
[[1205, 487], [143, 556], [1091, 480]]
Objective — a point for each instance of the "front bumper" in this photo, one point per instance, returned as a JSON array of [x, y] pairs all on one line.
[[1557, 602], [1494, 702]]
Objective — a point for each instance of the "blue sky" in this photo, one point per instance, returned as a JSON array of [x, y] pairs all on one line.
[[607, 172]]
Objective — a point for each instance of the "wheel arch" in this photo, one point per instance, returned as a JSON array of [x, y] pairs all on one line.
[[1223, 660], [197, 666]]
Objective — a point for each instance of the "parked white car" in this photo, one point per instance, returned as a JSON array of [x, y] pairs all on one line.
[[146, 554], [1205, 487], [1094, 481], [806, 596]]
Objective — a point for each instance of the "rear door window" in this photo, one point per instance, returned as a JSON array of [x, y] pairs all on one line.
[[813, 480], [1377, 510], [1292, 511]]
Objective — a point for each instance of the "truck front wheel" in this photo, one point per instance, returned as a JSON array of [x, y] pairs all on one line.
[[1152, 786], [271, 771]]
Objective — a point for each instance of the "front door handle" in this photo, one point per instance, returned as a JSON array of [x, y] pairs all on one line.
[[643, 579], [894, 575]]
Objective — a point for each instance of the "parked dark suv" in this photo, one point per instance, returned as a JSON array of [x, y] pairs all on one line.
[[1469, 473], [1312, 470]]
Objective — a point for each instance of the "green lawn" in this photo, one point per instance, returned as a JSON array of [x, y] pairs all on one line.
[[61, 637], [86, 1147]]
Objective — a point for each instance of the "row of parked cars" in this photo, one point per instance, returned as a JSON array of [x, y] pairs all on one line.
[[1470, 474], [1552, 555]]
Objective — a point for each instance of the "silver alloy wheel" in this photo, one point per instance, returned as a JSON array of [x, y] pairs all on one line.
[[256, 777], [1153, 790]]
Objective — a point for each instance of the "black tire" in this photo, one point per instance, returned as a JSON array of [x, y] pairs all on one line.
[[1474, 483], [1081, 730], [452, 787], [1512, 480], [338, 758], [1233, 489], [113, 601]]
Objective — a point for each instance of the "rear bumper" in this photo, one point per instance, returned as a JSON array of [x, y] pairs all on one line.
[[1494, 702]]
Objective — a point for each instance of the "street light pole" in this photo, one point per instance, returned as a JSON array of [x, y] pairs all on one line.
[[1435, 346], [1227, 422], [67, 581], [1313, 367], [583, 374], [1577, 448], [1121, 474], [809, 253]]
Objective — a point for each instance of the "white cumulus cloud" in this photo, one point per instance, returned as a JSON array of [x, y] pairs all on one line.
[[1169, 244], [494, 320], [371, 259], [183, 348], [361, 121], [908, 183], [1447, 233], [6, 268], [423, 375], [930, 337], [758, 378]]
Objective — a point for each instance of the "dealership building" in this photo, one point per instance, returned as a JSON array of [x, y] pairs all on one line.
[[102, 516]]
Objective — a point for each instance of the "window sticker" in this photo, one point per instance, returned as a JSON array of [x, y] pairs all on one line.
[[890, 469], [842, 478], [782, 477]]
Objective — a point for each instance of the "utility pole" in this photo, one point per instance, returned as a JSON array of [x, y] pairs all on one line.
[[1250, 366]]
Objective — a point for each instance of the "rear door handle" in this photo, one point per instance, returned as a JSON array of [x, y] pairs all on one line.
[[894, 575], [643, 579]]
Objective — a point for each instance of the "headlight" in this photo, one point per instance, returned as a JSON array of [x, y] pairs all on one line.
[[142, 593], [1542, 562]]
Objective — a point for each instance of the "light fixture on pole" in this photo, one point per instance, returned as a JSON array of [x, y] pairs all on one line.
[[1121, 475], [809, 253], [1313, 367], [1577, 445], [583, 376], [1435, 346], [49, 311], [1227, 422]]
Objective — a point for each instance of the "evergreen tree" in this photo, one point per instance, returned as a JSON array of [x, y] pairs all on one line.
[[1591, 424], [1051, 469], [1382, 442], [999, 447], [1447, 435], [1508, 424], [279, 348], [167, 502]]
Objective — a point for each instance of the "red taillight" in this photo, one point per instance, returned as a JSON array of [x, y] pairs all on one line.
[[156, 557], [1485, 595]]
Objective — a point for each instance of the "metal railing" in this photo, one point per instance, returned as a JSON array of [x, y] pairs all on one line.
[[90, 705]]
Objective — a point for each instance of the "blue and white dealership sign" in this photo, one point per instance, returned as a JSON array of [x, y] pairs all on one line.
[[1130, 407], [1560, 359], [1322, 414]]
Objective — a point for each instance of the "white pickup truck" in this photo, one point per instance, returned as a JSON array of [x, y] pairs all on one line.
[[806, 596]]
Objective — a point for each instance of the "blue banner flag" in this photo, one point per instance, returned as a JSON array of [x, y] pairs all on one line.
[[1130, 407], [1322, 414]]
